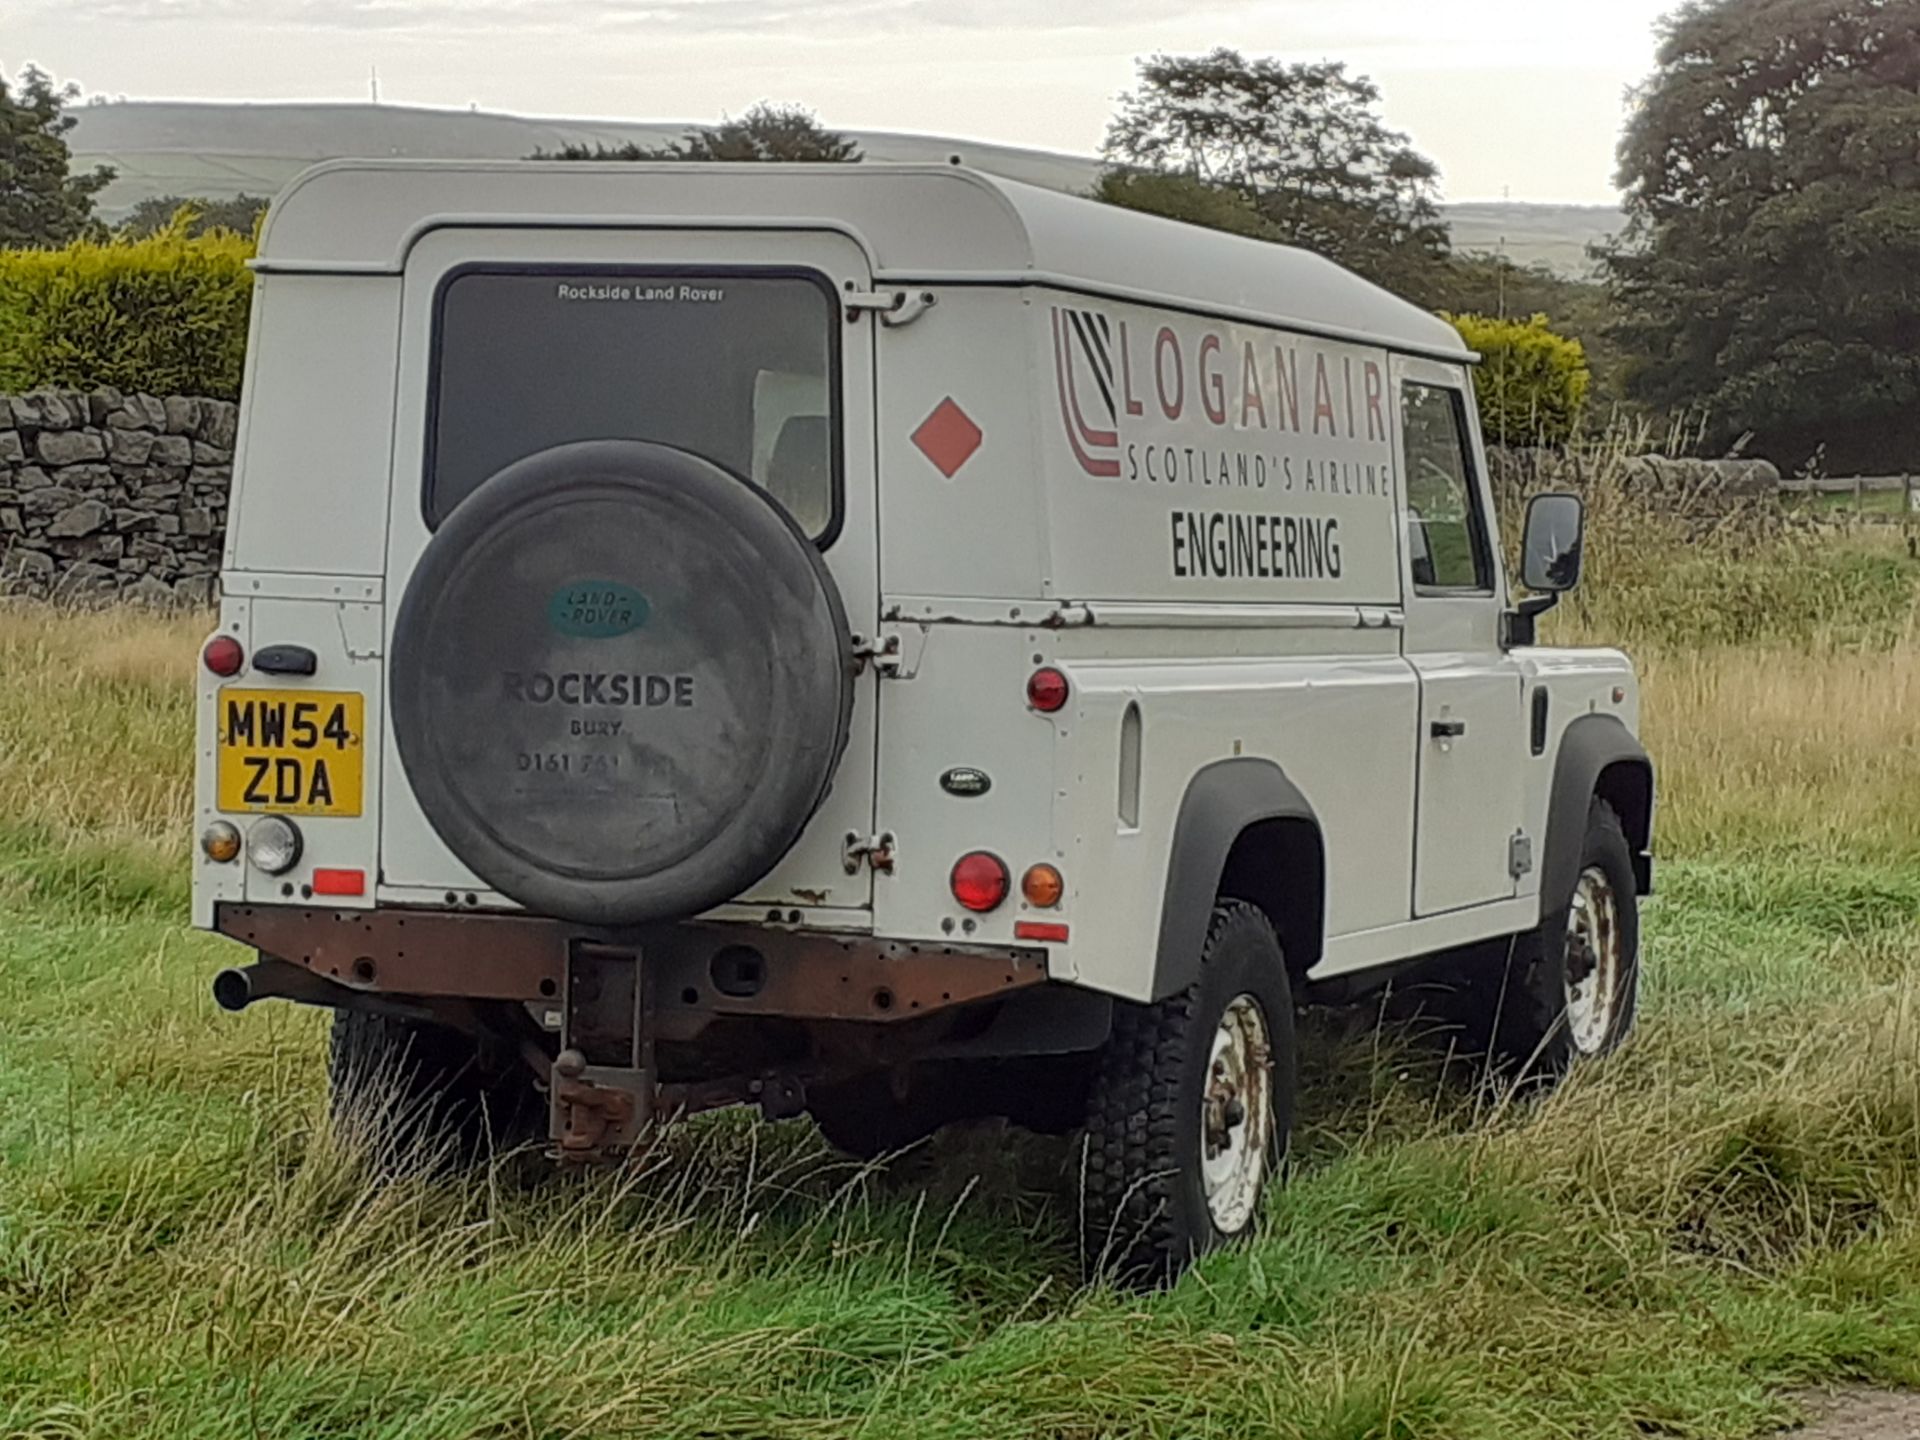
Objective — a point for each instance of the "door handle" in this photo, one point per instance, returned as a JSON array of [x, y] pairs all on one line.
[[1448, 729]]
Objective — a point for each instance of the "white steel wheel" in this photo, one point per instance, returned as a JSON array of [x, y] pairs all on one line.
[[1236, 1114], [1596, 969]]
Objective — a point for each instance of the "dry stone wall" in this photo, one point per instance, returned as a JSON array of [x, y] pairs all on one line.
[[106, 496]]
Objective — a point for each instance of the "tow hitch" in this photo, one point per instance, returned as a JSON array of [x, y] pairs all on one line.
[[603, 1083]]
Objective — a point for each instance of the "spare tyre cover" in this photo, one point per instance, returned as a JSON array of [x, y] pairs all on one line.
[[621, 681]]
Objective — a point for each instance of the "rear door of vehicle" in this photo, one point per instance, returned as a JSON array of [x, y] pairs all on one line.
[[515, 340]]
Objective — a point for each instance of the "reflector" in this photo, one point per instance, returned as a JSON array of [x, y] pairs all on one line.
[[223, 656], [1040, 930], [1047, 690]]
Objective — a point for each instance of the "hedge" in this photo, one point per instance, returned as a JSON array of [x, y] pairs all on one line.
[[166, 315], [1532, 382]]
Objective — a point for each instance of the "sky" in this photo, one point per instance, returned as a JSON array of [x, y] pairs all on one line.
[[1520, 99]]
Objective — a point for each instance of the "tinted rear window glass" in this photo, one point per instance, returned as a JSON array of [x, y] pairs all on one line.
[[737, 368]]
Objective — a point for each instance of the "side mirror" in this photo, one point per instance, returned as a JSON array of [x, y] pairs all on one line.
[[1551, 551]]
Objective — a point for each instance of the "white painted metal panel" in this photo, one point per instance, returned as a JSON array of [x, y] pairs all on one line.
[[346, 637], [962, 523], [1338, 724], [315, 440], [917, 222], [965, 706], [1194, 460]]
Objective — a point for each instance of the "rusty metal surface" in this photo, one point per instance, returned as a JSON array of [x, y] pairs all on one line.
[[480, 957], [598, 1111], [694, 970], [821, 977]]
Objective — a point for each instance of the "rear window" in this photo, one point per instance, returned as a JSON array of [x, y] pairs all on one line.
[[739, 368]]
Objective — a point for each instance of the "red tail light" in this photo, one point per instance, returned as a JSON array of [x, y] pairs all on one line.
[[223, 656], [980, 881], [1047, 690]]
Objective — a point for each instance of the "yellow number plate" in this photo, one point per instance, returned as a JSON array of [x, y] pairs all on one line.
[[292, 752]]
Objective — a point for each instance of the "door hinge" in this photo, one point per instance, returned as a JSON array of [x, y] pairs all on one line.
[[884, 655], [1520, 854], [872, 850], [894, 307]]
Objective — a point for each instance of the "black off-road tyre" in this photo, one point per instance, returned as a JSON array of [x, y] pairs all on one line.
[[1145, 1215], [864, 1118], [1517, 994], [425, 1096]]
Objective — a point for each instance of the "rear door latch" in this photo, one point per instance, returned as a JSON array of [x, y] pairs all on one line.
[[883, 652], [874, 850]]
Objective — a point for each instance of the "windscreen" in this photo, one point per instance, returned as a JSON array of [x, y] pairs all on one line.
[[738, 368]]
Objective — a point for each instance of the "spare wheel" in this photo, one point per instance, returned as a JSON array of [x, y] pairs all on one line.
[[621, 681]]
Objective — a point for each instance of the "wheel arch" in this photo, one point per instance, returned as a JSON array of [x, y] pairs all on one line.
[[1599, 758], [1245, 832]]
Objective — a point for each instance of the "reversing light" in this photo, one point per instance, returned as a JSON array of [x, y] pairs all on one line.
[[1042, 886], [223, 656], [220, 842], [1047, 690], [980, 881], [273, 845]]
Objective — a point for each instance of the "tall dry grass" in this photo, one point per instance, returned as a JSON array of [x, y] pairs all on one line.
[[96, 747], [1780, 658], [1770, 748]]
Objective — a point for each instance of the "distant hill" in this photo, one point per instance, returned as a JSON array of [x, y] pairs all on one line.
[[1556, 236], [219, 150]]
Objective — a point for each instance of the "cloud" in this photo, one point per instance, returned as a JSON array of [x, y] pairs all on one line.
[[682, 18]]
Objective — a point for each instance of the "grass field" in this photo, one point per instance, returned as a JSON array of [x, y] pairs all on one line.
[[1727, 1210]]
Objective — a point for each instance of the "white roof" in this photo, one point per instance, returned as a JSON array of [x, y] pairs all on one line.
[[919, 225]]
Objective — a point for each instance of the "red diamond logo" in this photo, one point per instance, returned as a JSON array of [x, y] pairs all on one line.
[[948, 437]]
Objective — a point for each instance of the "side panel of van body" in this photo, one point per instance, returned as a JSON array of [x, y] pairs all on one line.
[[1224, 498], [1215, 512]]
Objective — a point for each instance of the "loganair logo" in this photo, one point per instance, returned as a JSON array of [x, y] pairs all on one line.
[[1083, 361]]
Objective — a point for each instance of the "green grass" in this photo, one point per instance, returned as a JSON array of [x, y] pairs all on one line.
[[1728, 1209]]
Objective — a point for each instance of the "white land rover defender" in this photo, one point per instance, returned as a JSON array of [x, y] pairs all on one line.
[[888, 643]]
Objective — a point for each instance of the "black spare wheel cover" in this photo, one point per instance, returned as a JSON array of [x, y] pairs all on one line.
[[621, 681]]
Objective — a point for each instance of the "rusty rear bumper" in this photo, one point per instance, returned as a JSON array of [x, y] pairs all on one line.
[[697, 969]]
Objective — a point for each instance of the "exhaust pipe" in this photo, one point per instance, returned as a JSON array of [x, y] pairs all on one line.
[[235, 990]]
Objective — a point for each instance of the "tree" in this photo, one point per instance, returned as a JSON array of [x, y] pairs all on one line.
[[41, 201], [1582, 310], [1774, 200], [766, 132], [1532, 384], [239, 213], [1302, 145]]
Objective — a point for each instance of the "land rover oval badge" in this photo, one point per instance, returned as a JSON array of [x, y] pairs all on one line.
[[966, 782], [596, 609]]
